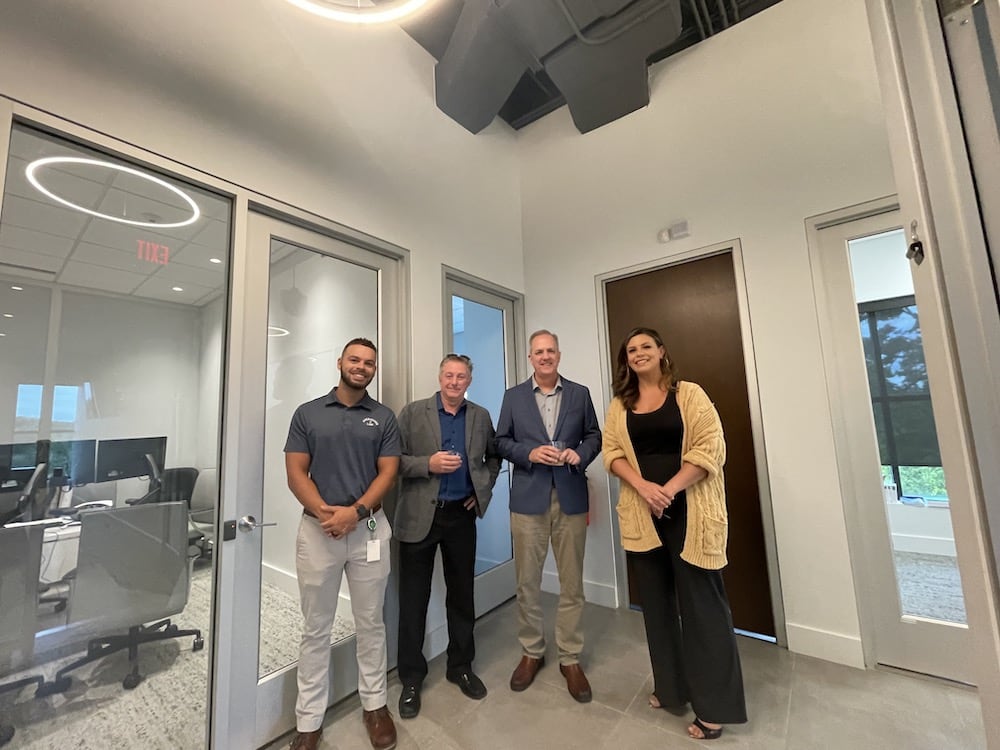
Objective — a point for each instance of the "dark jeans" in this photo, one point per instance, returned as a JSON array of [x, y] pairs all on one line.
[[454, 531], [689, 630]]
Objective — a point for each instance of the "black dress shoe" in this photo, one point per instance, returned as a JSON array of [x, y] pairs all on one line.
[[469, 684], [409, 702]]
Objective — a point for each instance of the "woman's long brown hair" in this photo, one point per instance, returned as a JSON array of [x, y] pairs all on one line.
[[626, 385]]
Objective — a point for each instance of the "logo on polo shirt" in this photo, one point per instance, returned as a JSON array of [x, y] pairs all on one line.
[[370, 421]]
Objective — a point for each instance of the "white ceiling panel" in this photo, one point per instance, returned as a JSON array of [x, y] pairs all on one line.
[[31, 241], [98, 277], [99, 255], [31, 214], [162, 289], [179, 273], [125, 238], [134, 207], [28, 260], [213, 234], [198, 257]]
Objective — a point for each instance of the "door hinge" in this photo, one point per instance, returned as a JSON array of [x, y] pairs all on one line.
[[951, 7]]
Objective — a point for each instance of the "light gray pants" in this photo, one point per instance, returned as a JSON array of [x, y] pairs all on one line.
[[320, 563]]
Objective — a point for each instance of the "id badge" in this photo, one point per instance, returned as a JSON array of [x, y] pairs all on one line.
[[373, 547]]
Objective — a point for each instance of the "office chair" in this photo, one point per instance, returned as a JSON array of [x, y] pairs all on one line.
[[170, 486], [202, 510], [20, 564], [133, 569]]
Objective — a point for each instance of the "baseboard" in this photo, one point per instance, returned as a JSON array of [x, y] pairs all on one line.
[[835, 647], [603, 594]]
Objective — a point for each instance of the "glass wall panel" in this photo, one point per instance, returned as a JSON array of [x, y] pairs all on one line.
[[316, 304], [113, 282]]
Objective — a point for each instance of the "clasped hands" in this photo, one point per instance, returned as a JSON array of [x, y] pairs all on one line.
[[657, 497], [552, 456], [337, 520]]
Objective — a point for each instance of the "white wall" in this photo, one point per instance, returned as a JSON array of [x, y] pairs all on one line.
[[746, 135]]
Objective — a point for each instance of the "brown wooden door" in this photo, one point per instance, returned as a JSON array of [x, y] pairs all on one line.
[[694, 307]]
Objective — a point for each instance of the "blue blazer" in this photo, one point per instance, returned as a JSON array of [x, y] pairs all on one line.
[[520, 429]]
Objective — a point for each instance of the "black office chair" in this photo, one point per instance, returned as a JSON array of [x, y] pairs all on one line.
[[201, 508], [174, 485]]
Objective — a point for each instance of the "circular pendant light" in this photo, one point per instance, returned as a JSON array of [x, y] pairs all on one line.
[[382, 13], [33, 178]]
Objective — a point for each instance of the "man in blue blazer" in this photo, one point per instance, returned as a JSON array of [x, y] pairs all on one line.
[[548, 431]]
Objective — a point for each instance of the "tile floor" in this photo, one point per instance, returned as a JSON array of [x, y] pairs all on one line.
[[795, 702]]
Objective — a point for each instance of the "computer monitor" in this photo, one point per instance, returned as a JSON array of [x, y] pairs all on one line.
[[121, 459], [17, 462], [75, 458]]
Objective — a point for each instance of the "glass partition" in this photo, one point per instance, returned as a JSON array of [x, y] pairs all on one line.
[[113, 283], [316, 304]]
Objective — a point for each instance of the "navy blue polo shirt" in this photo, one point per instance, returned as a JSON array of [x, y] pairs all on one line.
[[458, 484], [344, 444]]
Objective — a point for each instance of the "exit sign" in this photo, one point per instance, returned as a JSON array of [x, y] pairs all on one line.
[[152, 252]]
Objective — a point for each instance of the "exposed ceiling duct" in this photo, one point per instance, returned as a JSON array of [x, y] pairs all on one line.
[[524, 58]]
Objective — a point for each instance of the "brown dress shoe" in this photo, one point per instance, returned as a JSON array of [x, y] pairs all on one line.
[[306, 740], [576, 681], [525, 673], [381, 730]]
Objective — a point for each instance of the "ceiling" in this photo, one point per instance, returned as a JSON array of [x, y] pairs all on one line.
[[521, 59], [44, 241]]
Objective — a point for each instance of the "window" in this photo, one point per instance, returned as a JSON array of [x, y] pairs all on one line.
[[901, 402]]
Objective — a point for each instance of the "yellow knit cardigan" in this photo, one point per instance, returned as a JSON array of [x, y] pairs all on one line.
[[703, 445]]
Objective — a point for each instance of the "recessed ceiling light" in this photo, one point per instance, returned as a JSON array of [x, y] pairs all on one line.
[[214, 260], [18, 288], [30, 170], [383, 13], [275, 331], [3, 334], [178, 289], [8, 315]]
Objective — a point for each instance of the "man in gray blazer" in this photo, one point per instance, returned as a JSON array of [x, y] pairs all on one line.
[[448, 467], [548, 431]]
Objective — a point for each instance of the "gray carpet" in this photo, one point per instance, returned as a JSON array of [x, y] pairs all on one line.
[[167, 709], [930, 586]]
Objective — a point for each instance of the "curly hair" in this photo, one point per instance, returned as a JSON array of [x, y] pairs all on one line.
[[626, 384]]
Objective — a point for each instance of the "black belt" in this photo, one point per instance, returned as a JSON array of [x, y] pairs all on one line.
[[450, 504]]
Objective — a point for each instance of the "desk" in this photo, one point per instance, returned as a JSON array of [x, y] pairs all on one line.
[[60, 548]]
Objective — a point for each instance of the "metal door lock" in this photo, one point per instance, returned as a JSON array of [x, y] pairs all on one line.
[[915, 251]]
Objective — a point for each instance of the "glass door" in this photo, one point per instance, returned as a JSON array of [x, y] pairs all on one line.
[[480, 324], [307, 294], [113, 280], [901, 485]]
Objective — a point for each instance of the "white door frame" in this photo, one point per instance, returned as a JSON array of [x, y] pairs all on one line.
[[935, 187], [887, 636], [498, 584], [273, 695]]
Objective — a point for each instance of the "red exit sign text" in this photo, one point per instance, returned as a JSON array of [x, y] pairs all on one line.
[[152, 252]]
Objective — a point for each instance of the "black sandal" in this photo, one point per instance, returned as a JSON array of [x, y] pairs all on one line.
[[707, 734]]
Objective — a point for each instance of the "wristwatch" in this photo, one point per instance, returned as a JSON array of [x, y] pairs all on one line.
[[363, 511]]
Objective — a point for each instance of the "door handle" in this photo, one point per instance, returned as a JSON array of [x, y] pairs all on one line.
[[249, 523]]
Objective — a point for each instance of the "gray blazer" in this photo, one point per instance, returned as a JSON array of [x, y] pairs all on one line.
[[420, 433]]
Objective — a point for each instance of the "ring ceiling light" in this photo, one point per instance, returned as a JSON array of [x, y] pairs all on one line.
[[382, 13], [32, 168]]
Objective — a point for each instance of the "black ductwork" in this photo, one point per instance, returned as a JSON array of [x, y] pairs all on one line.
[[523, 58]]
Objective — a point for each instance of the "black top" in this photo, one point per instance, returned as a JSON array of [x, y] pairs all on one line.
[[657, 438]]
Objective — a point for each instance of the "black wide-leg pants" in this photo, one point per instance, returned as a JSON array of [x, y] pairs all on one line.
[[689, 630], [454, 531]]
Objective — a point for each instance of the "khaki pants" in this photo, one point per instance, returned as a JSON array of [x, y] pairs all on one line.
[[531, 545], [320, 563]]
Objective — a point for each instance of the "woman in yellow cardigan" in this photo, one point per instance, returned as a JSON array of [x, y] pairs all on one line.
[[663, 440]]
